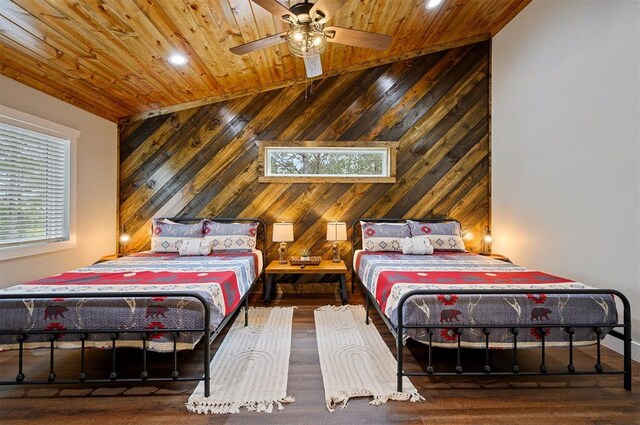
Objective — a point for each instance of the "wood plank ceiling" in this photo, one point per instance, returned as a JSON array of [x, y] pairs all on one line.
[[110, 56]]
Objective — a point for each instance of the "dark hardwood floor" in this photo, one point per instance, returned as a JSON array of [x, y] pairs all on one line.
[[456, 400]]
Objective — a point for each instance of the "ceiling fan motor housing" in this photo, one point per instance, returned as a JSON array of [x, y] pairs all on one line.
[[301, 11]]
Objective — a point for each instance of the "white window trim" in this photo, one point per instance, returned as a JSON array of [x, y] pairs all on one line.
[[385, 172], [30, 122], [263, 169]]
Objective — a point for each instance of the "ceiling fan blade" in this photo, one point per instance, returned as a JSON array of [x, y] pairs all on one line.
[[273, 7], [326, 9], [272, 40], [313, 66], [369, 40]]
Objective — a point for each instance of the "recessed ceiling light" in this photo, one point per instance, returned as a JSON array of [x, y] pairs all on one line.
[[432, 4], [177, 59]]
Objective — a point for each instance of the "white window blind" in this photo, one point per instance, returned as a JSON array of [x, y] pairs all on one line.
[[34, 187]]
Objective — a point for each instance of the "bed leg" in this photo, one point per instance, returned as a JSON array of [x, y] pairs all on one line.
[[627, 341], [627, 365], [399, 337], [399, 358], [366, 308], [246, 310], [207, 372], [207, 349], [627, 356]]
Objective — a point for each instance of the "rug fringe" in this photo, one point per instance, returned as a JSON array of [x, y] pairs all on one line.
[[267, 308], [412, 396], [339, 307], [343, 399], [202, 406]]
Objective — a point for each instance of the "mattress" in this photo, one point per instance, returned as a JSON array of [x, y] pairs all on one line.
[[221, 278], [389, 275]]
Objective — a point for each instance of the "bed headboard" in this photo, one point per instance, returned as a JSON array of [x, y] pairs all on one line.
[[356, 230], [261, 236]]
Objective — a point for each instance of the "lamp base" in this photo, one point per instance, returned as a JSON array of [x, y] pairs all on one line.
[[335, 253], [485, 249], [282, 251]]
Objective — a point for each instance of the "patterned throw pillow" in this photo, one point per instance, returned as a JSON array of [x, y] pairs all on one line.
[[444, 236], [168, 236], [230, 236], [384, 236], [195, 247], [417, 245]]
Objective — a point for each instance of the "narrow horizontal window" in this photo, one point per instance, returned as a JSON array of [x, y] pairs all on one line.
[[343, 162]]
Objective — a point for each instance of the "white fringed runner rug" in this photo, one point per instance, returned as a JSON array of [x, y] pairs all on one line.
[[251, 367], [355, 360]]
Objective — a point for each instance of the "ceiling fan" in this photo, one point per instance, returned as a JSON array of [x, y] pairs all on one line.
[[307, 37]]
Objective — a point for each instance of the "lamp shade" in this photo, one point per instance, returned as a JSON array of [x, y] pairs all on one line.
[[336, 231], [282, 232]]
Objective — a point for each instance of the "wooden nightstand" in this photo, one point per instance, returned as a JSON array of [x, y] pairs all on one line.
[[108, 258], [325, 267], [498, 257]]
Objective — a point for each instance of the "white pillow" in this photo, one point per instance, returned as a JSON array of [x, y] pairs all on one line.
[[417, 245], [195, 247]]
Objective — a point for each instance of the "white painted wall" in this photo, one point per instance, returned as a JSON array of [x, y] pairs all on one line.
[[96, 188], [566, 143]]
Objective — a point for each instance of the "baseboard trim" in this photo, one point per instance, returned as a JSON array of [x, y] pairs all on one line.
[[616, 345]]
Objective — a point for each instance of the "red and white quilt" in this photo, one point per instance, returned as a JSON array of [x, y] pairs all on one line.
[[388, 276], [221, 278]]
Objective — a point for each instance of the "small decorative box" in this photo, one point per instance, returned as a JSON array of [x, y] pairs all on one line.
[[312, 261]]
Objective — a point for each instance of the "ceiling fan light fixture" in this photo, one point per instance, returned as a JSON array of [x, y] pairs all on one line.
[[306, 40], [432, 4]]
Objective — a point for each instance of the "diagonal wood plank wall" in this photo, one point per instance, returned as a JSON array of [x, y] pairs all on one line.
[[203, 162]]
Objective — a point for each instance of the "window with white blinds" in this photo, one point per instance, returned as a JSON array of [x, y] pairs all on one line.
[[34, 187]]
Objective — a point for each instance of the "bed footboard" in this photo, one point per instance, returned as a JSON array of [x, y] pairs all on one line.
[[22, 336], [514, 328]]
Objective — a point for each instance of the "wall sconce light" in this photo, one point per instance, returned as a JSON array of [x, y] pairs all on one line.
[[336, 232], [283, 233], [487, 240], [124, 241]]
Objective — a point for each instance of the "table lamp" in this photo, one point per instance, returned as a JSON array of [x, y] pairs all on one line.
[[487, 240], [336, 232], [124, 240], [283, 233]]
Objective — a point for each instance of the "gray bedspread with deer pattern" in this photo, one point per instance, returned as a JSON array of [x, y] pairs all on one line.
[[388, 276]]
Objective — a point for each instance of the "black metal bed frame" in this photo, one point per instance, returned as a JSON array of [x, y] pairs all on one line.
[[399, 331], [207, 339]]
